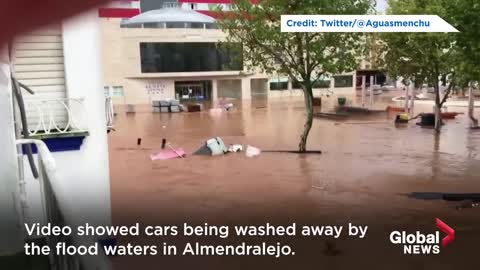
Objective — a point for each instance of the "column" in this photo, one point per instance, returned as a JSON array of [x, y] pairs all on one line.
[[214, 90], [246, 88], [90, 171]]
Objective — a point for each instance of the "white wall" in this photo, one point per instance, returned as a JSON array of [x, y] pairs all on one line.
[[12, 238], [85, 172], [230, 88]]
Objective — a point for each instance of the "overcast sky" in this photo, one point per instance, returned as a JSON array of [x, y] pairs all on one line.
[[381, 5], [147, 5]]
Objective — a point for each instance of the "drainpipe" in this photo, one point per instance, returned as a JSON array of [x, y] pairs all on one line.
[[12, 240]]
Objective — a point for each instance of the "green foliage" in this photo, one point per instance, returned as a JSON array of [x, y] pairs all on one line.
[[419, 57], [302, 56], [425, 57], [465, 16]]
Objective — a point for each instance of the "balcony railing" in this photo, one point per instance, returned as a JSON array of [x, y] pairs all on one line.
[[56, 116], [59, 211]]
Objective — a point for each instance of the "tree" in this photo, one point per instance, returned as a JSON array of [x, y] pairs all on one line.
[[304, 57], [422, 57], [464, 15]]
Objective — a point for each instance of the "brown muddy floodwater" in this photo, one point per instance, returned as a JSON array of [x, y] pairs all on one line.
[[366, 169]]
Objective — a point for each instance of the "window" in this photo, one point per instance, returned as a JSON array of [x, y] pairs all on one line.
[[275, 86], [190, 57], [176, 25], [195, 25], [322, 84], [317, 84], [117, 91], [343, 81], [153, 25]]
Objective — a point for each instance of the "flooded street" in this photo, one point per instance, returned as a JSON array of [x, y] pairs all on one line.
[[365, 175]]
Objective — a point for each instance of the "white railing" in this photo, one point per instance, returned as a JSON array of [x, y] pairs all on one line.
[[56, 115], [59, 211]]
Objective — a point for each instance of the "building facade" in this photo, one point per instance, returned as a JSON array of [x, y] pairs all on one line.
[[60, 65], [173, 53]]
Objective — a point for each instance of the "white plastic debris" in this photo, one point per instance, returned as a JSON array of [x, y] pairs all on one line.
[[252, 151], [235, 148]]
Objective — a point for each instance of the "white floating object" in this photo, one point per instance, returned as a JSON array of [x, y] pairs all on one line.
[[252, 151]]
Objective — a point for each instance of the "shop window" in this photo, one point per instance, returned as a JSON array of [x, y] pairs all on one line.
[[278, 86], [317, 84], [343, 81]]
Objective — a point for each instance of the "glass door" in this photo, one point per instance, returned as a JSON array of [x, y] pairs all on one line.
[[190, 91]]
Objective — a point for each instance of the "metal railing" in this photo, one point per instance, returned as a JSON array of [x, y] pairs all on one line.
[[59, 211], [72, 118]]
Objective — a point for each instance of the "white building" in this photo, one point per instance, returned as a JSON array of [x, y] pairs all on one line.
[[61, 64], [171, 53]]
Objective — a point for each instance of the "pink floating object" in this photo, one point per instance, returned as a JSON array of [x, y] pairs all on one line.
[[168, 154]]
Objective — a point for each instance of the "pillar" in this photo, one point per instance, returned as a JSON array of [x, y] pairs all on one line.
[[214, 90], [90, 173], [246, 88]]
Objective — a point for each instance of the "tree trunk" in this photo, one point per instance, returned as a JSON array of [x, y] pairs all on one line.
[[412, 101], [308, 96], [471, 106], [438, 109], [364, 89], [407, 97]]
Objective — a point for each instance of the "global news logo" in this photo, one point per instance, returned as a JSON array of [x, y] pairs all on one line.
[[423, 244]]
